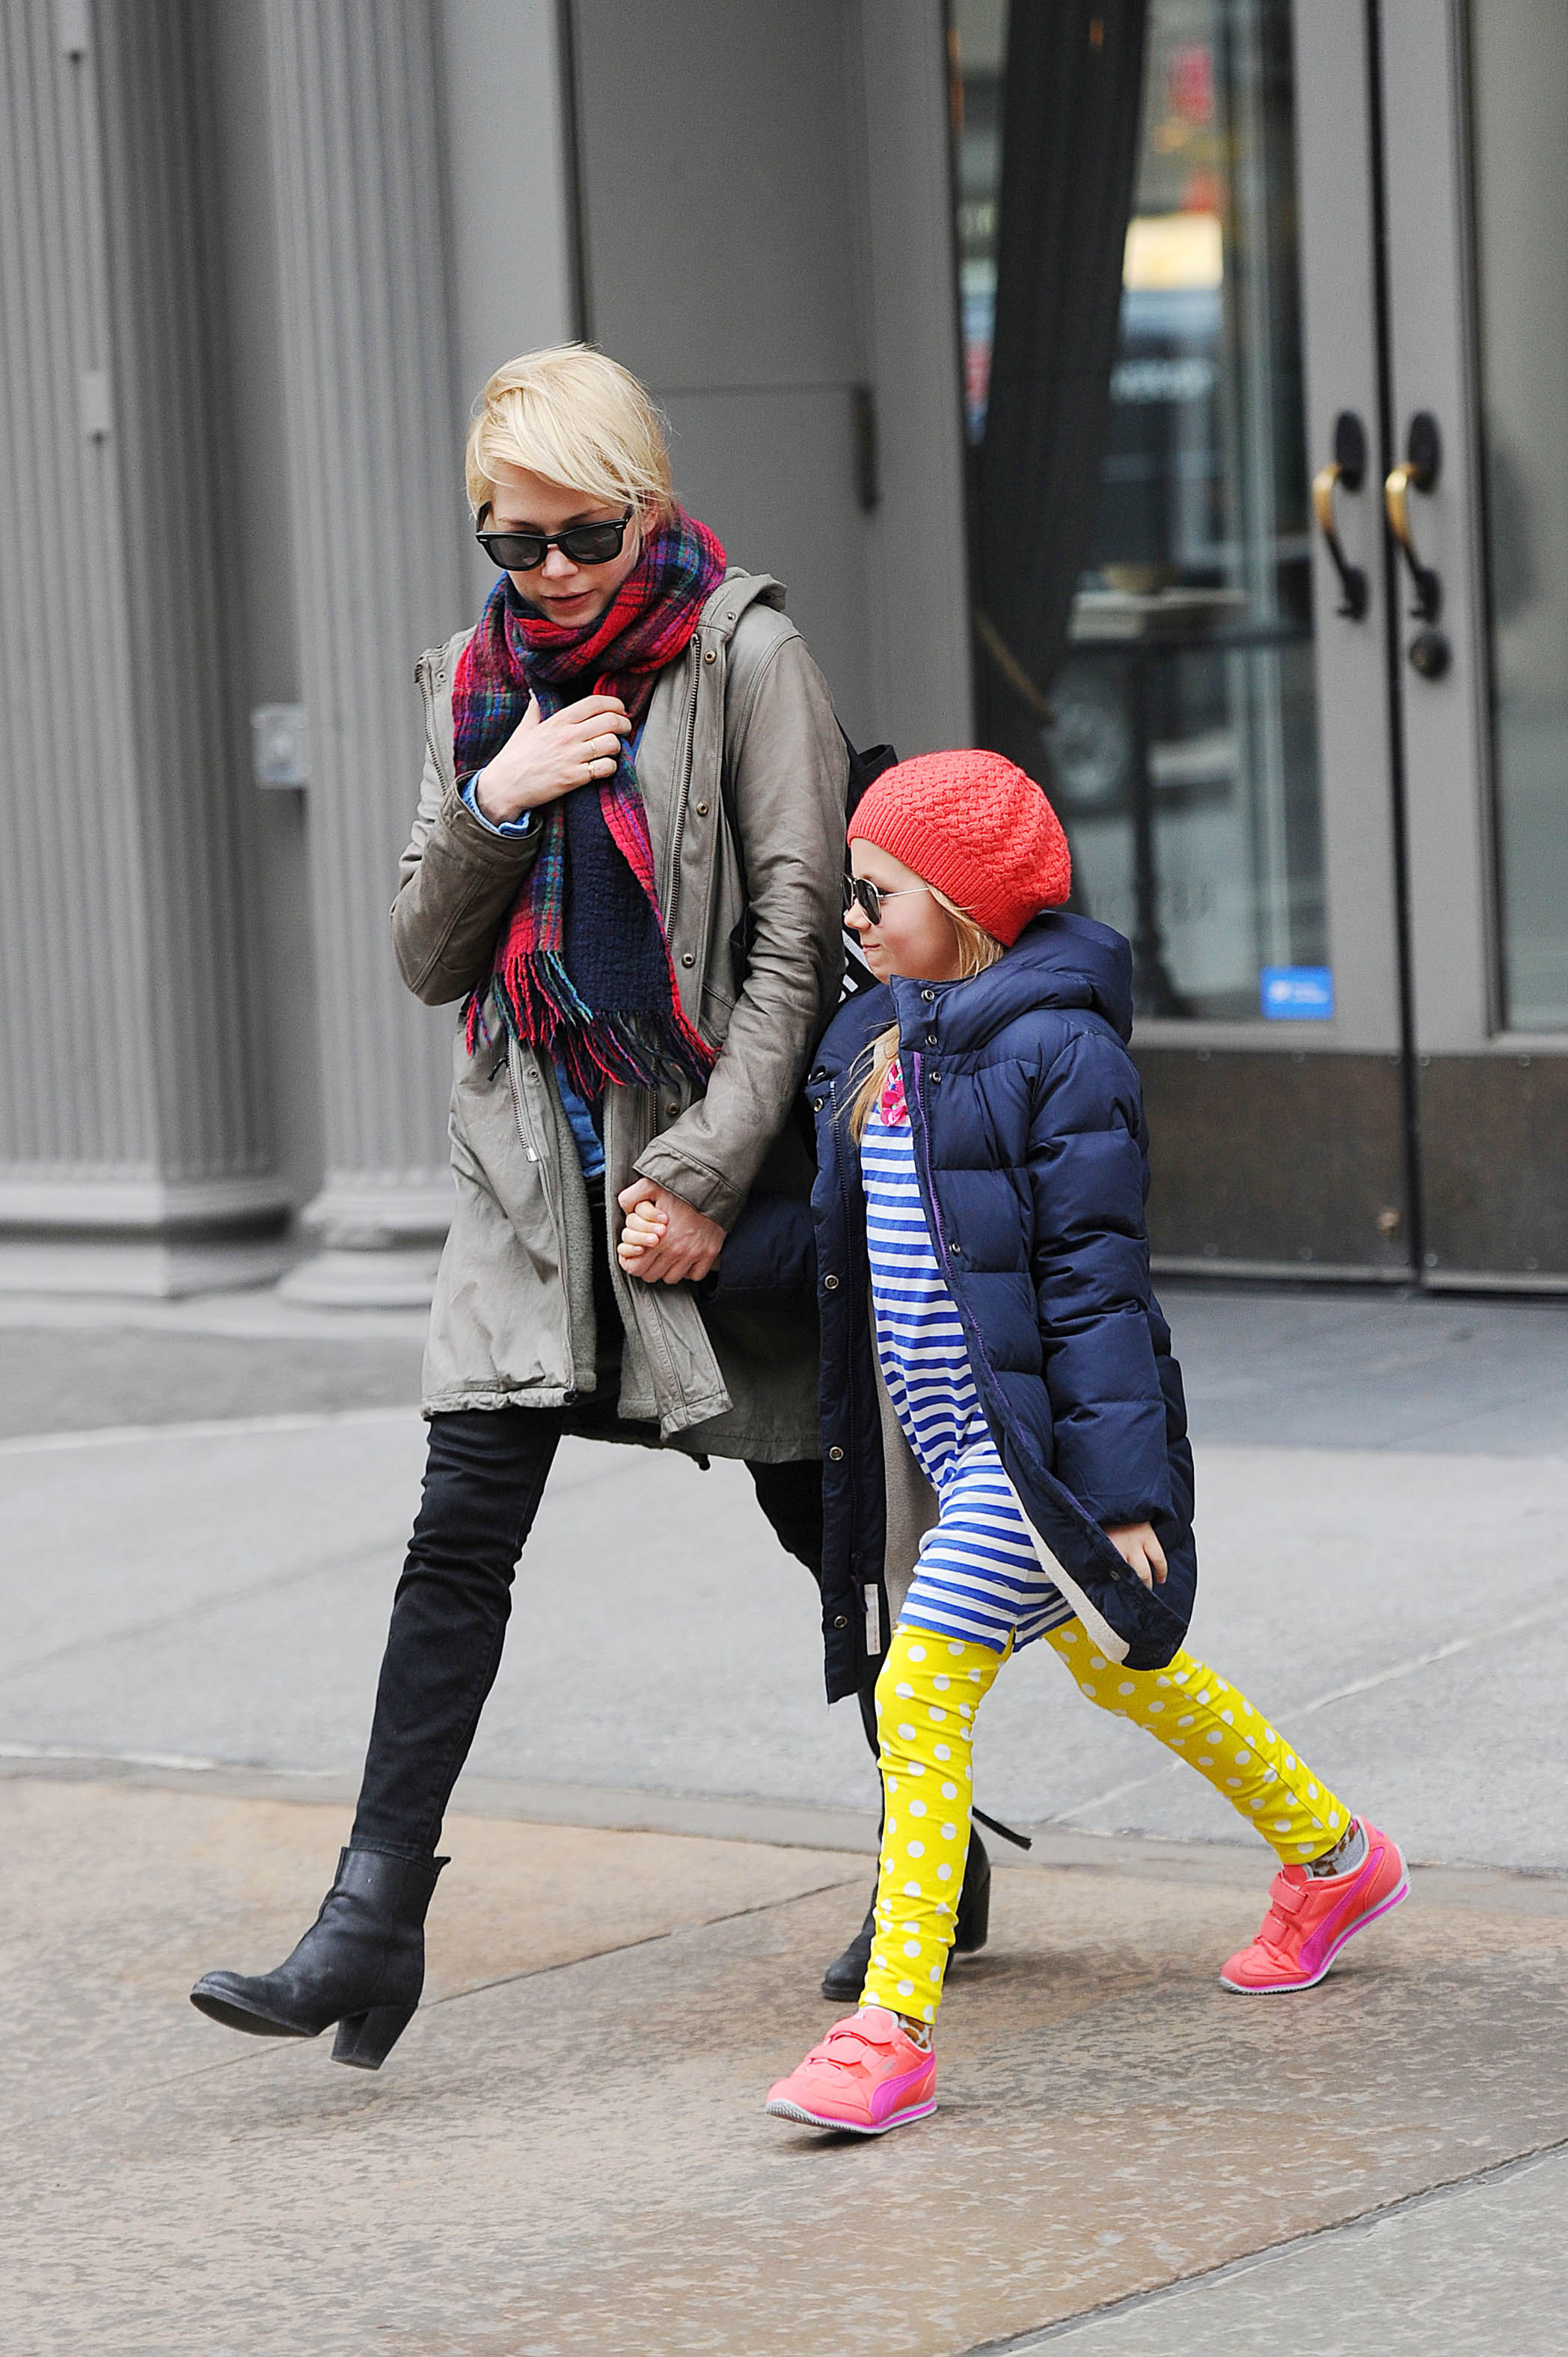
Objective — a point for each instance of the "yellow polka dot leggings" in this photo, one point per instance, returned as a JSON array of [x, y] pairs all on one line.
[[928, 1698]]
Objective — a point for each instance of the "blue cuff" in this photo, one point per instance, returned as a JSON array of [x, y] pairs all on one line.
[[521, 824], [590, 1145]]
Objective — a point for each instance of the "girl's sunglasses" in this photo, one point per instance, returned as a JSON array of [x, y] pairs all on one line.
[[584, 543], [860, 892]]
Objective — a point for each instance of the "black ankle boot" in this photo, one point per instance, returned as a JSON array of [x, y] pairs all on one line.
[[973, 1921], [360, 1965], [846, 1977]]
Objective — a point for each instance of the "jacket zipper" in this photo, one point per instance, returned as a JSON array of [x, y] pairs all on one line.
[[921, 1135], [921, 1131], [653, 1335], [430, 674], [532, 1146], [870, 1587], [703, 931], [685, 739]]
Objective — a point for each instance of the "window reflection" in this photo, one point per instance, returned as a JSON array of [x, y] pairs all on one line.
[[1177, 730]]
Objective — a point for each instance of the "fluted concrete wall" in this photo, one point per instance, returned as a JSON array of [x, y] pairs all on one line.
[[129, 1090], [376, 194]]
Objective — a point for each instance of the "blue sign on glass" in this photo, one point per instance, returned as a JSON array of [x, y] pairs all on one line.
[[1298, 994]]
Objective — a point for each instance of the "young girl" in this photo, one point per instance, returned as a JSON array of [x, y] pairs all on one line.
[[979, 1204]]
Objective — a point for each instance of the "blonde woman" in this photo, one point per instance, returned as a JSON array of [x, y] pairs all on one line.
[[626, 869]]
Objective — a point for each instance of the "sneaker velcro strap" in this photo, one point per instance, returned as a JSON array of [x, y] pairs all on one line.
[[848, 2035]]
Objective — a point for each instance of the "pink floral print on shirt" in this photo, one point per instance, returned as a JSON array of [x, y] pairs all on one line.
[[892, 1109]]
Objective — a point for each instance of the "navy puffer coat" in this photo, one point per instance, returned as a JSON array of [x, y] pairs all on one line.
[[1032, 1163]]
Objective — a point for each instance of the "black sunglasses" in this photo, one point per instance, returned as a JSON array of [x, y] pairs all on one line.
[[584, 543], [860, 891]]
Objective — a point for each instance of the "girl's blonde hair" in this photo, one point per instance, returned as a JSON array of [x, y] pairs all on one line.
[[579, 419], [976, 950]]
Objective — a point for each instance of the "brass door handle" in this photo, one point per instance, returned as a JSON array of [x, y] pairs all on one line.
[[1418, 472], [1348, 467]]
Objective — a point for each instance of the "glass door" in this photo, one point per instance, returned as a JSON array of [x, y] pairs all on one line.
[[1475, 171], [1215, 730]]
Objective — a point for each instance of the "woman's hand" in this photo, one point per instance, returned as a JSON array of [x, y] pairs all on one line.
[[1139, 1548], [542, 760], [664, 1240]]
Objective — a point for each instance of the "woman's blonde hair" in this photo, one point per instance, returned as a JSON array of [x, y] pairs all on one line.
[[578, 419], [976, 950]]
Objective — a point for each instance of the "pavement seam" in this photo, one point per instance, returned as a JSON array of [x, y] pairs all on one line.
[[745, 1818], [334, 1565], [1445, 2189], [205, 1608], [184, 1763], [212, 1428], [257, 2049], [648, 1940], [1443, 1652], [622, 1809]]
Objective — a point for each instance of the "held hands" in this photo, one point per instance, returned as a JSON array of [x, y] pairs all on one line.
[[664, 1241], [1139, 1548], [542, 760]]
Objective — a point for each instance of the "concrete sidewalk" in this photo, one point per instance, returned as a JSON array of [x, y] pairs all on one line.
[[567, 2153], [205, 1506]]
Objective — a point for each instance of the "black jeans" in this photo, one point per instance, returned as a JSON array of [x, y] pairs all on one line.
[[484, 1478]]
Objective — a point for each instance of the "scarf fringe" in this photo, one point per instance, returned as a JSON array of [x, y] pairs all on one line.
[[542, 1011]]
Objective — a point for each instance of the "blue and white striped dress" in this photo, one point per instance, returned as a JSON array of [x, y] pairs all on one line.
[[978, 1576]]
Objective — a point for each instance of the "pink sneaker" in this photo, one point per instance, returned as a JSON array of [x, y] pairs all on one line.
[[867, 2076], [1311, 1917]]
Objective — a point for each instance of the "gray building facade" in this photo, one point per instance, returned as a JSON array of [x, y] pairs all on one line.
[[255, 262]]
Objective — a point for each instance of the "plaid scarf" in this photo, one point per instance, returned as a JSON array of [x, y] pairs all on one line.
[[583, 970]]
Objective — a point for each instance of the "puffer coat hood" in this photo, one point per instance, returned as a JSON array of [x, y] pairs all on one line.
[[1031, 1157], [1060, 962]]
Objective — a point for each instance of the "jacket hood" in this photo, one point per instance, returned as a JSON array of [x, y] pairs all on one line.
[[1060, 961]]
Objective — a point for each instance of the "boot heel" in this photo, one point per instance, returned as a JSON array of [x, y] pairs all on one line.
[[365, 2040], [973, 1925], [973, 1931]]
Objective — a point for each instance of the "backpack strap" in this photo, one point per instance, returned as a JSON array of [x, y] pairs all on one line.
[[863, 768], [720, 618]]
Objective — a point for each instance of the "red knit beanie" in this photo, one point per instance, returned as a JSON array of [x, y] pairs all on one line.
[[976, 827]]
